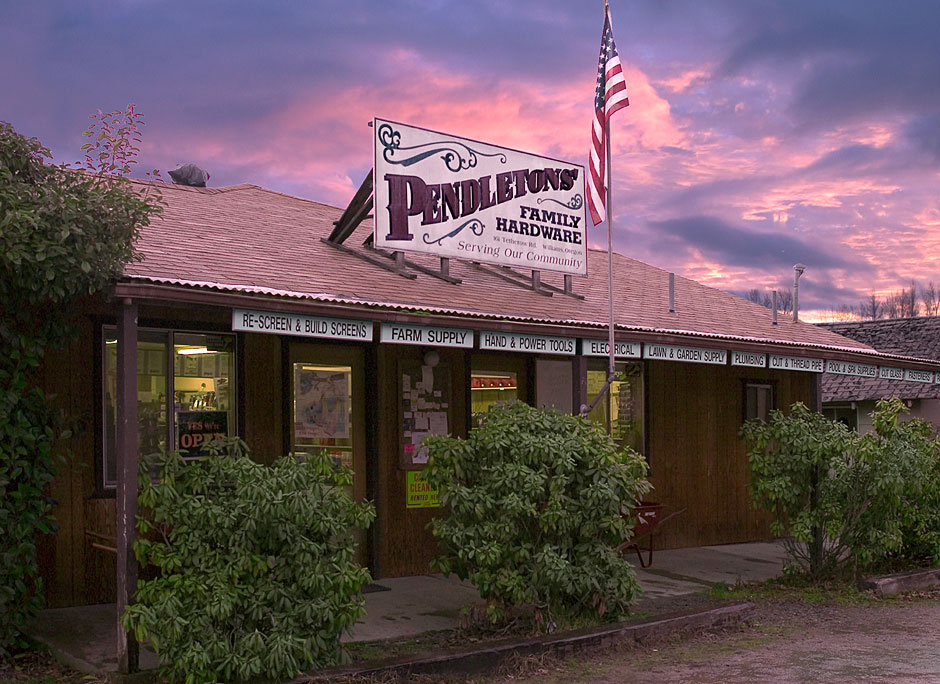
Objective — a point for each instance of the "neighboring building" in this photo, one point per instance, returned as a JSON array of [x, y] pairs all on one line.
[[852, 399], [250, 321]]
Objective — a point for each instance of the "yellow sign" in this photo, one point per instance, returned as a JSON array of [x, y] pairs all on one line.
[[419, 492]]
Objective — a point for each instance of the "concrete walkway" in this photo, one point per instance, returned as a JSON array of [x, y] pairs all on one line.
[[84, 638]]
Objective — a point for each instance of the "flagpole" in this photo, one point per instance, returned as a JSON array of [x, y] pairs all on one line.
[[611, 368]]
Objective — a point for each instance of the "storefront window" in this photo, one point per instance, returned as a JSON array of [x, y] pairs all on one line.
[[488, 388], [193, 403], [621, 411], [323, 410], [203, 368]]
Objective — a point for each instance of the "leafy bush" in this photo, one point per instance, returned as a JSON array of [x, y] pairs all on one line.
[[841, 498], [63, 234], [535, 502], [911, 445], [28, 428], [257, 578]]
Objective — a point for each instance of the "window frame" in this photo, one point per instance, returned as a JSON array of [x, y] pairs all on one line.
[[769, 385], [597, 364], [102, 486]]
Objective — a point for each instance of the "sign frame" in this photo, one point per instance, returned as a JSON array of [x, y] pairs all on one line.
[[441, 194]]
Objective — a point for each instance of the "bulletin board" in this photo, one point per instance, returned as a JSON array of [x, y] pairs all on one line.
[[423, 408]]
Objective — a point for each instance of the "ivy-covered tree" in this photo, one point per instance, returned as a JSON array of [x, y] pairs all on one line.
[[64, 233]]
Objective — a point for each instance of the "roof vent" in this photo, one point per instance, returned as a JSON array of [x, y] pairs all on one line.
[[189, 174]]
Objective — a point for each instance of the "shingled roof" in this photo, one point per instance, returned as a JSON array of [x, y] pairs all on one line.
[[249, 240], [918, 337]]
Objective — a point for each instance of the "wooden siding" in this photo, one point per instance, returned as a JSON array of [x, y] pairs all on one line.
[[68, 374], [264, 396], [694, 414], [697, 460], [405, 545]]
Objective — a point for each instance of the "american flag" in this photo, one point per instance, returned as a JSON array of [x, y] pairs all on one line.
[[611, 95]]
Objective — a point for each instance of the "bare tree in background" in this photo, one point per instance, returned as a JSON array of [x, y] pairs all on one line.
[[784, 299], [930, 299], [871, 308], [902, 304], [758, 297]]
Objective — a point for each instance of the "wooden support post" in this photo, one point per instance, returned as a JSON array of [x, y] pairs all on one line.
[[815, 393], [126, 504], [579, 396]]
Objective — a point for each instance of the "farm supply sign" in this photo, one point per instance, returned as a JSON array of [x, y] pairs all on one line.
[[453, 197]]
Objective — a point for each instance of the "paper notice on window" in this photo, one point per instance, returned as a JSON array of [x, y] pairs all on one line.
[[438, 423], [422, 422], [420, 454], [427, 377], [405, 384]]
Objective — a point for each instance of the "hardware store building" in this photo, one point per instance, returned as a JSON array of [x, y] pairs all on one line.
[[250, 315]]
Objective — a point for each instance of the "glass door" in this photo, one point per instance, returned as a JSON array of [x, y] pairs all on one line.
[[327, 410]]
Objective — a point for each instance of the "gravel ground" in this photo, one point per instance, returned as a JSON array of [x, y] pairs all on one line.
[[786, 642]]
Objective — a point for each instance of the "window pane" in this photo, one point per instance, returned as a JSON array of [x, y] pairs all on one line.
[[621, 411], [758, 401], [627, 419], [488, 388], [151, 397], [323, 410], [203, 403]]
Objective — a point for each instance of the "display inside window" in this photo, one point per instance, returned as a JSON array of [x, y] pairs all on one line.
[[488, 388], [184, 393], [622, 410], [323, 410]]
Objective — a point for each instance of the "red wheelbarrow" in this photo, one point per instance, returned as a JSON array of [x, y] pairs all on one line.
[[649, 518]]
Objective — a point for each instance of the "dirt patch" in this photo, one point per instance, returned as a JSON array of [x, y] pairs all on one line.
[[36, 667]]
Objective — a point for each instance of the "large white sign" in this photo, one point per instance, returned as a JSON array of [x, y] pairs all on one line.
[[306, 326], [540, 344], [665, 352], [453, 197]]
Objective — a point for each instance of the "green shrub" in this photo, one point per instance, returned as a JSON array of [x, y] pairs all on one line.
[[534, 512], [839, 498], [28, 428], [911, 445], [63, 235], [257, 578]]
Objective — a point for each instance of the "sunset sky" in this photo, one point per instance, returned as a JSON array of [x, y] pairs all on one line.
[[760, 133]]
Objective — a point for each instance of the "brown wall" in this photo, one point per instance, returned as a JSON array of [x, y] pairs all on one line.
[[404, 545], [69, 375], [697, 461], [694, 414], [263, 390]]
